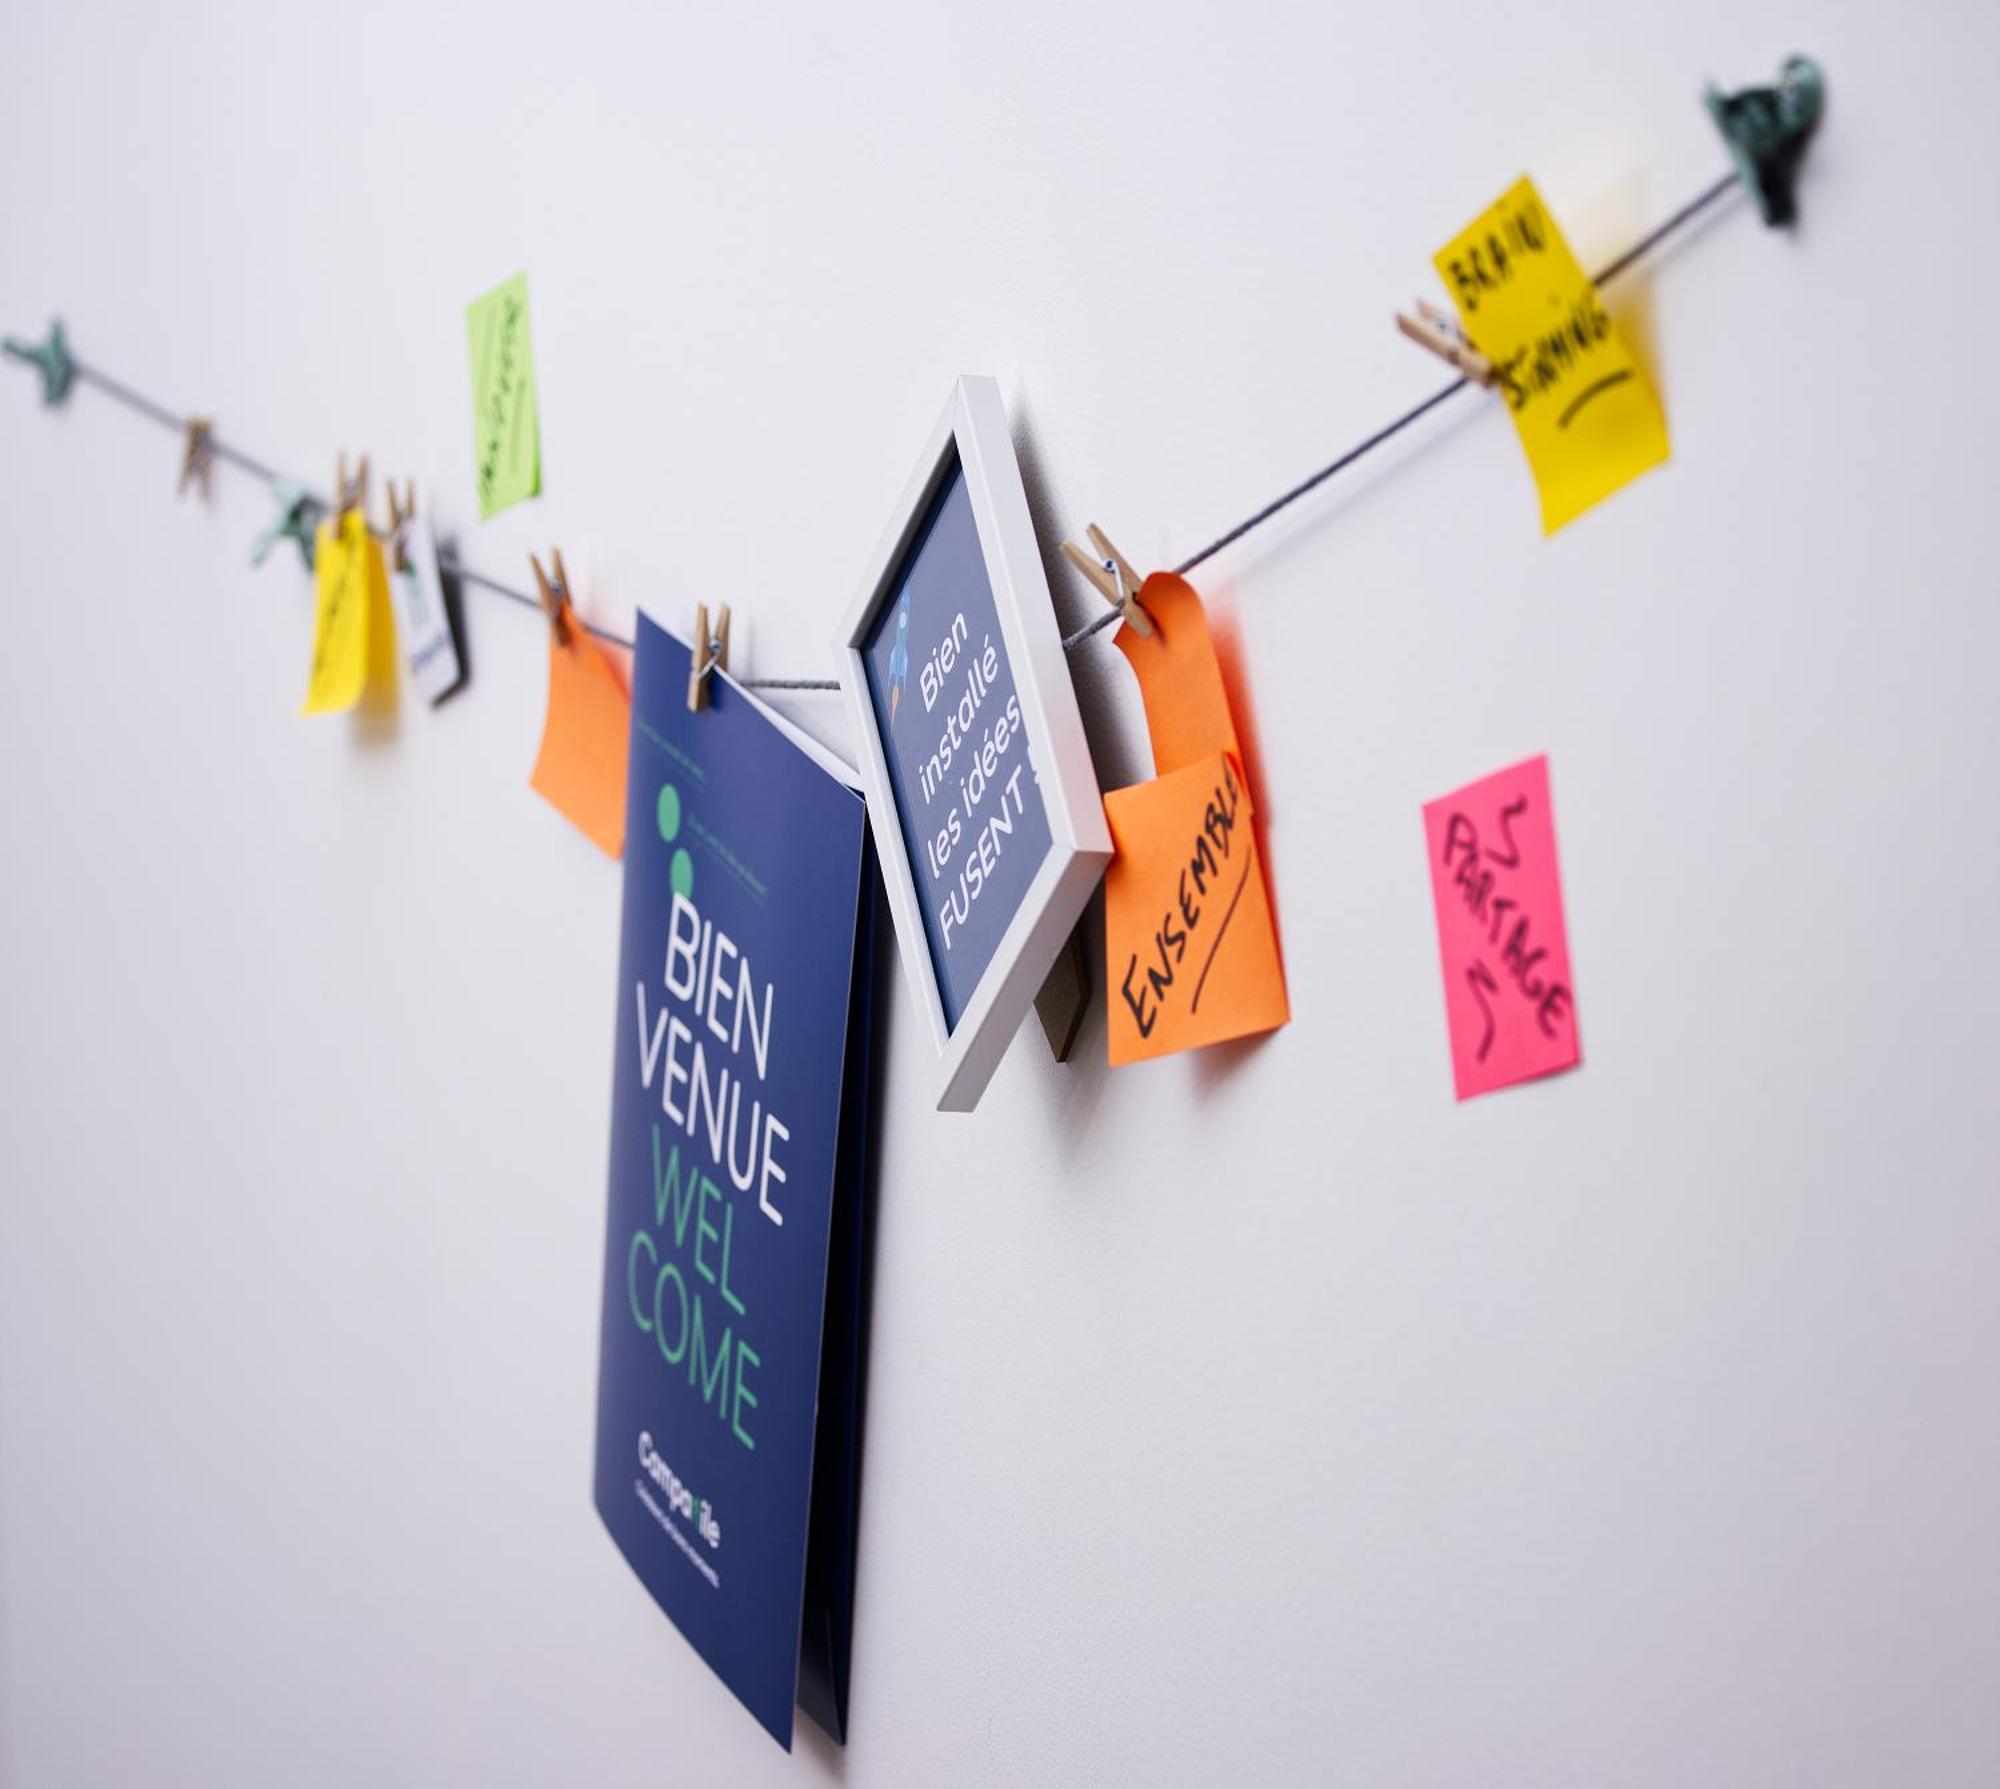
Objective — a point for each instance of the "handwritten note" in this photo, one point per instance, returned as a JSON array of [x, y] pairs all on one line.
[[507, 437], [1589, 419], [1507, 993], [1191, 949], [350, 615], [429, 652], [580, 769]]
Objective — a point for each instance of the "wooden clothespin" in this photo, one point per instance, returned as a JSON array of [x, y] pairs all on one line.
[[1112, 577], [198, 458], [711, 653], [348, 496], [401, 514], [1431, 328], [555, 596]]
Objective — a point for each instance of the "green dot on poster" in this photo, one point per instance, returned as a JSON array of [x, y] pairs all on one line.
[[681, 875], [670, 812]]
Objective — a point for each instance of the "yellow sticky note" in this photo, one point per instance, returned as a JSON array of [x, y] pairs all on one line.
[[1588, 417], [351, 615], [507, 430]]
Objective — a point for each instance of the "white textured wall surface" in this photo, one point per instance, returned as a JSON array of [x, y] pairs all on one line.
[[1257, 1417]]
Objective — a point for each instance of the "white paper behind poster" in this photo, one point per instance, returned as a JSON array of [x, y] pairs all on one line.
[[429, 652]]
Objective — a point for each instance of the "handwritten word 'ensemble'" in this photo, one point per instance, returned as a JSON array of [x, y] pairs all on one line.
[[1194, 918]]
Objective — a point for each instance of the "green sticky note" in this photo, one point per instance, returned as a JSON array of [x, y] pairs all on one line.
[[506, 432]]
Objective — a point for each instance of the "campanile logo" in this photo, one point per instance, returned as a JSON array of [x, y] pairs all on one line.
[[680, 873]]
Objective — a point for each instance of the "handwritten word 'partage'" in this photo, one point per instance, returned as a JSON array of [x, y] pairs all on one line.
[[1474, 874], [1501, 936]]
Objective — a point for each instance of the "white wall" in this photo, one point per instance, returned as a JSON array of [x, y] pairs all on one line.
[[1257, 1416]]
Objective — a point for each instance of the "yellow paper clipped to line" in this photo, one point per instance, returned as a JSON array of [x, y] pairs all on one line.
[[353, 630], [1589, 419], [1191, 948], [580, 769]]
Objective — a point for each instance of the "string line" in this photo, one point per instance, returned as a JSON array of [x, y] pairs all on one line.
[[1651, 240], [469, 574]]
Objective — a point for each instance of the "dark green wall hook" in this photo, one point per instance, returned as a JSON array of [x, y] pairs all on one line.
[[51, 359], [298, 513], [1767, 129]]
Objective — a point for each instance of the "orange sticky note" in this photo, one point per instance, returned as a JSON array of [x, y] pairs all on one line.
[[1187, 709], [1191, 953], [1191, 948], [580, 770]]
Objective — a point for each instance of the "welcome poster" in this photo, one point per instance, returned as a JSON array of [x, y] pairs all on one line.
[[728, 1394]]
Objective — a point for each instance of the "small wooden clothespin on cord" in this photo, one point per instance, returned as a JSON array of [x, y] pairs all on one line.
[[554, 595], [711, 653], [1431, 328], [198, 458], [1112, 577], [401, 514], [348, 496]]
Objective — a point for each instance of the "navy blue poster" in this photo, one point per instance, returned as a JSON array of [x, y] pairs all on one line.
[[736, 1145], [950, 721]]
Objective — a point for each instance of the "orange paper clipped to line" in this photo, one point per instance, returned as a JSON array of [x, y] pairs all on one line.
[[1191, 948], [580, 770]]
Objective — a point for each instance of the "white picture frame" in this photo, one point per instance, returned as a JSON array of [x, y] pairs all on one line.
[[972, 435]]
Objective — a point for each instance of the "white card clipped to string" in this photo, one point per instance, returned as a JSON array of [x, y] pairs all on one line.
[[430, 654]]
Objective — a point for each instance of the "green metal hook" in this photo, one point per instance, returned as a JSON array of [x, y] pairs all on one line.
[[298, 512], [1767, 130], [51, 359]]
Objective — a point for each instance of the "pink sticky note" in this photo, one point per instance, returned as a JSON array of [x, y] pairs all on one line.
[[1501, 935]]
